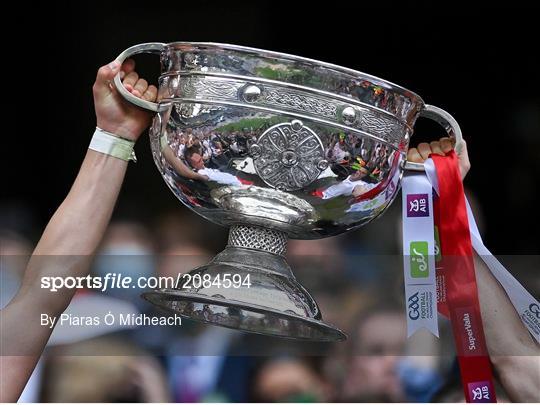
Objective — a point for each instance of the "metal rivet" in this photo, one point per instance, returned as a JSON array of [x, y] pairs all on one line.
[[173, 86], [289, 158], [189, 58], [250, 93], [297, 125], [348, 115], [255, 150], [322, 164]]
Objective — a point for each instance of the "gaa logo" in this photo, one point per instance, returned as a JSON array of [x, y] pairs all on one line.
[[535, 309], [413, 305]]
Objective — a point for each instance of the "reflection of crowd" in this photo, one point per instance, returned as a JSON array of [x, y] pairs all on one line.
[[353, 153], [357, 163], [214, 149], [359, 174], [371, 93], [203, 156], [206, 155]]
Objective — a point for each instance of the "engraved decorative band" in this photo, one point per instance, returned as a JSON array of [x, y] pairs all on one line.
[[272, 95]]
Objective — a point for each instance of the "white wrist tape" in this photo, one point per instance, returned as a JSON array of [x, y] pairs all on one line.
[[109, 144]]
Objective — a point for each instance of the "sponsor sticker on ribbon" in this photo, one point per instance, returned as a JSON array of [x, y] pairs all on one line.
[[419, 254], [480, 391], [417, 205], [418, 259]]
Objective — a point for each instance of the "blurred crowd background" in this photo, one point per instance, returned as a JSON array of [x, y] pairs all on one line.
[[479, 65]]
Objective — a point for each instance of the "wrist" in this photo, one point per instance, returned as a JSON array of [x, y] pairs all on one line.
[[119, 131], [112, 145]]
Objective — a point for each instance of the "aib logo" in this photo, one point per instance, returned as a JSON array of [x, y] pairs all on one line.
[[480, 392], [417, 205], [414, 314], [419, 259]]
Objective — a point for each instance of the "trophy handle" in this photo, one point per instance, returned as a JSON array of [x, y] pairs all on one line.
[[151, 47], [447, 122]]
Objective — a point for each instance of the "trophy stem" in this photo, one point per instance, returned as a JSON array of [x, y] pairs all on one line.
[[272, 302], [258, 238], [257, 248]]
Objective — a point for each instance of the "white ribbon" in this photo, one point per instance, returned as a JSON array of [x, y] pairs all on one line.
[[419, 254], [527, 307]]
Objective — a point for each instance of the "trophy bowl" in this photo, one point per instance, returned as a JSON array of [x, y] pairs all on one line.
[[273, 146]]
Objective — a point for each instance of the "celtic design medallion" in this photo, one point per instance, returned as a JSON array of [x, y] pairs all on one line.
[[288, 156]]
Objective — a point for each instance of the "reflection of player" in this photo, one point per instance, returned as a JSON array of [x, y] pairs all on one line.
[[352, 185], [374, 198], [196, 161], [339, 151]]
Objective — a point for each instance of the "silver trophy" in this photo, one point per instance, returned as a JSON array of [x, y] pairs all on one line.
[[273, 146]]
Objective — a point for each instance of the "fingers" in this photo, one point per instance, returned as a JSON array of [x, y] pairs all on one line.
[[107, 73], [150, 94], [105, 90], [441, 147], [104, 76], [422, 152], [446, 144], [464, 162], [424, 149], [140, 87], [129, 80], [135, 85], [128, 66], [436, 148], [414, 156]]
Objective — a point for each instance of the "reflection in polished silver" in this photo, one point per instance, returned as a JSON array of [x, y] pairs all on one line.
[[250, 93], [172, 86], [349, 115], [290, 98], [275, 146]]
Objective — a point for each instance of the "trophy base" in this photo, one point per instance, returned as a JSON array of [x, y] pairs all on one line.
[[262, 297]]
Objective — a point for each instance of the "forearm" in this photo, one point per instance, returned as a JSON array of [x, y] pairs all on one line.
[[514, 354], [75, 230], [71, 237], [87, 209]]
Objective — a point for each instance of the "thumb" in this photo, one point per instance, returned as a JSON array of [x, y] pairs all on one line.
[[104, 76], [464, 162]]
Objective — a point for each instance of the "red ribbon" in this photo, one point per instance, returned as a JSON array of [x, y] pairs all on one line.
[[442, 304], [459, 281]]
